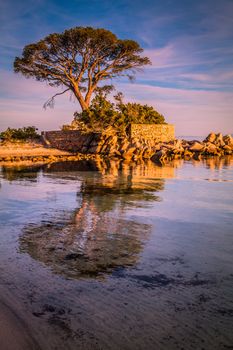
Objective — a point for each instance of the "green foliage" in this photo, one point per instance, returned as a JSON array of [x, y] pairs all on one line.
[[21, 134], [103, 113], [79, 59]]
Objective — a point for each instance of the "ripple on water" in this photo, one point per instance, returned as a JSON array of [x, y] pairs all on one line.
[[110, 255]]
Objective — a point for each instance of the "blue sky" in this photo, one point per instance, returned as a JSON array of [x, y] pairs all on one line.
[[190, 44]]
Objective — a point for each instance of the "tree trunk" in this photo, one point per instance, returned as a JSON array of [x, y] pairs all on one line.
[[84, 105]]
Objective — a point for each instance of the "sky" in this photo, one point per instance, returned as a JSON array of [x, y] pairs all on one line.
[[190, 44]]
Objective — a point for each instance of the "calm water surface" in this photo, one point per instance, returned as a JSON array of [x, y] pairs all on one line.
[[118, 256]]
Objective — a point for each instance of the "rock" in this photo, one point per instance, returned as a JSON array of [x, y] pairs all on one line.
[[114, 139], [196, 147], [210, 148], [116, 153], [93, 149], [219, 140], [157, 147], [185, 143], [147, 153], [136, 143], [84, 149], [124, 145], [129, 153], [168, 147], [210, 138], [228, 140], [227, 149], [178, 150], [188, 154], [178, 143], [159, 156]]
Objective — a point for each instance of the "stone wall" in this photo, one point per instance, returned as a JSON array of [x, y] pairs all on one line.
[[155, 132], [142, 139], [71, 140]]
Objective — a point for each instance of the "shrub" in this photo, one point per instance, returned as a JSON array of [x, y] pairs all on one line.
[[103, 113], [21, 134]]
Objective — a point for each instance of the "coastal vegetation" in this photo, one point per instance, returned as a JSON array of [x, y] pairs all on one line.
[[20, 134], [103, 113]]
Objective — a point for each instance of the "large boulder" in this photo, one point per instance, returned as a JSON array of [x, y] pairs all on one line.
[[196, 147], [219, 140], [211, 148], [210, 138], [159, 156], [228, 140]]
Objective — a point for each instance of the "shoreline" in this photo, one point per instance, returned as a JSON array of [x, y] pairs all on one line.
[[31, 153]]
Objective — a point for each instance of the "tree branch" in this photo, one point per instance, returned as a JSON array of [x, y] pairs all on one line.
[[50, 102]]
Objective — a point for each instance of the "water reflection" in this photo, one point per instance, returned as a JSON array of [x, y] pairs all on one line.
[[97, 237], [214, 163], [146, 169], [177, 292], [19, 173]]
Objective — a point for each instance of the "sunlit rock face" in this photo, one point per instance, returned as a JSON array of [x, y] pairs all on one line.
[[139, 142], [97, 237]]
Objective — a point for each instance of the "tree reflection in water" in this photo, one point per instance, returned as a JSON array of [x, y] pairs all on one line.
[[97, 237]]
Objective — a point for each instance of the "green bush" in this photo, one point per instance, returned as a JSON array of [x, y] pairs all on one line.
[[21, 134], [103, 113]]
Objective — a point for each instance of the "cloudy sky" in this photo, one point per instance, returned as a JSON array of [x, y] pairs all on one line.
[[190, 44]]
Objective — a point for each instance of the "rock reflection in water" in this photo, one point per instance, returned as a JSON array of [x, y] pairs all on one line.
[[97, 238], [21, 173]]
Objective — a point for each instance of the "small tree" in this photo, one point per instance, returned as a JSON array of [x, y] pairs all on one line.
[[79, 59]]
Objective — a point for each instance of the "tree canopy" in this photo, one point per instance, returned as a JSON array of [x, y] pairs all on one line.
[[79, 59]]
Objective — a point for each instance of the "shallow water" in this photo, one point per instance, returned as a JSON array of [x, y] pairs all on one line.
[[118, 256]]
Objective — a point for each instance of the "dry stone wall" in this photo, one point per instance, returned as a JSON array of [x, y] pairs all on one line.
[[70, 140], [140, 143], [153, 132]]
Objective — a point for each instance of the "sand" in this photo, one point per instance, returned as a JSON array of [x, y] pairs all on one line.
[[28, 149], [14, 334]]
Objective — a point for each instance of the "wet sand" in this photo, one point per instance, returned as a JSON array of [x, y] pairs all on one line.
[[14, 334]]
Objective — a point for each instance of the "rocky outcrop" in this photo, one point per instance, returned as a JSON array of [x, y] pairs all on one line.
[[212, 145], [112, 144]]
